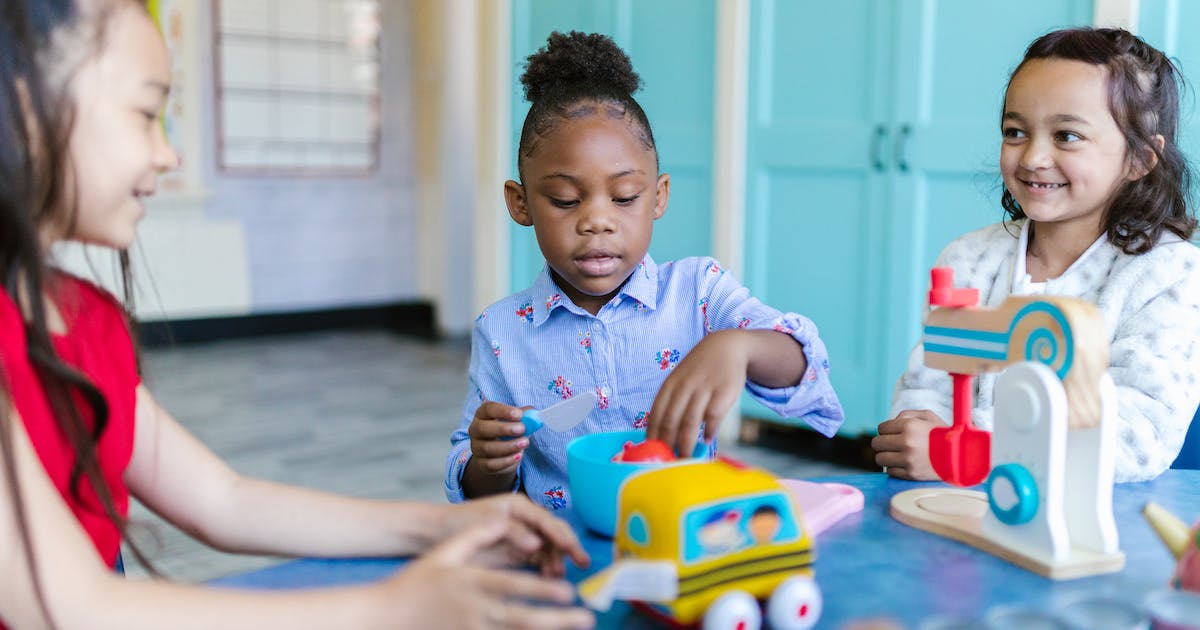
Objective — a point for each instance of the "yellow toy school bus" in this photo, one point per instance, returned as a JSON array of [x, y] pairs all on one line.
[[704, 542]]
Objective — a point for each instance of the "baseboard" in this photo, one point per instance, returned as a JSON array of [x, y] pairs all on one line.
[[847, 450], [407, 318]]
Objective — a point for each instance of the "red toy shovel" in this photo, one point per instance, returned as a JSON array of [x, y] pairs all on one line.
[[961, 454]]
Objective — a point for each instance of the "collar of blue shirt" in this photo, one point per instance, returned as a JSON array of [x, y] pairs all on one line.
[[642, 286]]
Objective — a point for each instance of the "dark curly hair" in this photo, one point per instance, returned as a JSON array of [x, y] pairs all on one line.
[[570, 77], [1143, 96]]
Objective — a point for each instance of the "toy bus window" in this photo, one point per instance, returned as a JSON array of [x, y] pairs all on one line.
[[636, 530], [715, 530]]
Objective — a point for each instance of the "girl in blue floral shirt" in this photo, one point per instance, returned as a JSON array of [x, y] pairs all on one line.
[[667, 348]]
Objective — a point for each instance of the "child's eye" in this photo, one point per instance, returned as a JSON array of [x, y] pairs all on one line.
[[563, 203], [624, 201], [1066, 137], [1012, 133]]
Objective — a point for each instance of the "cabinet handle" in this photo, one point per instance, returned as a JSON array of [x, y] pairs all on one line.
[[900, 149], [877, 140]]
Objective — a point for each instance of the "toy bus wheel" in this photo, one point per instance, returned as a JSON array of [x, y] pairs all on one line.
[[795, 604], [735, 610]]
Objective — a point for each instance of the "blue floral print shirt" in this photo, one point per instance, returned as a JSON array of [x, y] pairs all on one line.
[[536, 348]]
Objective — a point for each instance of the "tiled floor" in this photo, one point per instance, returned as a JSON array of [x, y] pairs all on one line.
[[361, 413]]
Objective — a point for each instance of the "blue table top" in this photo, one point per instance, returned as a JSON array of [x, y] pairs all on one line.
[[871, 566]]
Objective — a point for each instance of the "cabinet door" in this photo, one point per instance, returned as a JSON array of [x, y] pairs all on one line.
[[844, 220], [817, 148], [951, 67], [672, 44], [1168, 26]]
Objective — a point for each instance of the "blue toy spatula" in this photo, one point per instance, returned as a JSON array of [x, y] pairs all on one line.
[[561, 417]]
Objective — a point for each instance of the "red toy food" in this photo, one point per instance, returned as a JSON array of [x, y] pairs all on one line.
[[648, 451]]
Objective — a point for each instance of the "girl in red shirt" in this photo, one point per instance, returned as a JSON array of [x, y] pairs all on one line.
[[82, 83]]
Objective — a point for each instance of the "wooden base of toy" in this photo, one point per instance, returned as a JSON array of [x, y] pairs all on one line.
[[958, 514]]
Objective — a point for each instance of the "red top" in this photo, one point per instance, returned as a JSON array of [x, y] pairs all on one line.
[[99, 345]]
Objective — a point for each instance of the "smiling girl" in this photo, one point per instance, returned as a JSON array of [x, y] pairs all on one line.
[[1095, 192]]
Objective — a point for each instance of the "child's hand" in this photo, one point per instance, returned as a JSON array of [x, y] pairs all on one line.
[[449, 588], [535, 536], [702, 388], [497, 443], [902, 446]]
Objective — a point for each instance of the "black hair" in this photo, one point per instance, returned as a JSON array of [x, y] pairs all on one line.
[[570, 77], [1143, 97], [36, 115]]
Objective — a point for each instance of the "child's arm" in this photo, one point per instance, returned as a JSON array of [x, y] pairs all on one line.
[[182, 480], [479, 462], [751, 349], [79, 591], [708, 381], [1154, 359]]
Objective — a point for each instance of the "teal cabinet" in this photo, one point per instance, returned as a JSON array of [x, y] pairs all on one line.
[[1168, 25], [672, 44], [873, 141]]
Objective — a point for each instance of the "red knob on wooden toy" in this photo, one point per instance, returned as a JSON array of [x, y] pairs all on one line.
[[943, 293]]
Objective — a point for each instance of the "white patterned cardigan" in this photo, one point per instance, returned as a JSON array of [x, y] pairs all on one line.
[[1151, 309]]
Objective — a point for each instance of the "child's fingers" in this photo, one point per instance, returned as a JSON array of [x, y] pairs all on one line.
[[919, 414], [552, 563], [898, 472], [498, 465], [549, 618], [689, 428], [463, 546], [664, 417], [527, 586], [495, 429], [887, 442], [492, 410], [718, 406], [892, 459], [498, 449], [551, 528], [889, 426]]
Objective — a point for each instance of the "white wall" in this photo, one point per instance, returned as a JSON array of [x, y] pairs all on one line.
[[236, 245], [327, 242]]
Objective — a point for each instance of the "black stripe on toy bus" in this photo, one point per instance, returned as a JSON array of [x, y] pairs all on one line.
[[744, 570]]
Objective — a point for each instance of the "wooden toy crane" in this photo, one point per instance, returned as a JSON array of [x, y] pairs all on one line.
[[1048, 464]]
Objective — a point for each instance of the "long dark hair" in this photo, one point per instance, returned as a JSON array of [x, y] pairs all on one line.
[[577, 68], [1143, 96], [42, 43]]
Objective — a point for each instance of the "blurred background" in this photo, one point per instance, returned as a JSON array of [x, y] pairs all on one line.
[[342, 169], [344, 158]]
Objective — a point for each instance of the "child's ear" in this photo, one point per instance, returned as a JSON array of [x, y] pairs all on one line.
[[518, 204], [1149, 160], [662, 192]]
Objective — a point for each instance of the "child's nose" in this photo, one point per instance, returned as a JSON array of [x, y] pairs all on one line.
[[596, 217], [1037, 155], [165, 156]]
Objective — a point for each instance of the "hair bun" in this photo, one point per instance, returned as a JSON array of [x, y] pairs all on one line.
[[578, 59]]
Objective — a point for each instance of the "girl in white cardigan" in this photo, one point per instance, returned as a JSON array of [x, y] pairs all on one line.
[[1095, 197]]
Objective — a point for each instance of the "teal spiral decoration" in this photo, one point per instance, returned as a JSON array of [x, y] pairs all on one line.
[[1042, 344]]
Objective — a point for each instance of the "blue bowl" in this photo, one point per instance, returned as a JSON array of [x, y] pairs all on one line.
[[595, 479]]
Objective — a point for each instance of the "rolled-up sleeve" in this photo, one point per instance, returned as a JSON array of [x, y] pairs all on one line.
[[813, 400], [485, 382]]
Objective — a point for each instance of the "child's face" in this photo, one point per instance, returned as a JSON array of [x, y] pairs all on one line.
[[1063, 156], [117, 146], [592, 193]]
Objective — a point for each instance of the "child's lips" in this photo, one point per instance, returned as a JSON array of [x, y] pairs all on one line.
[[598, 263]]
